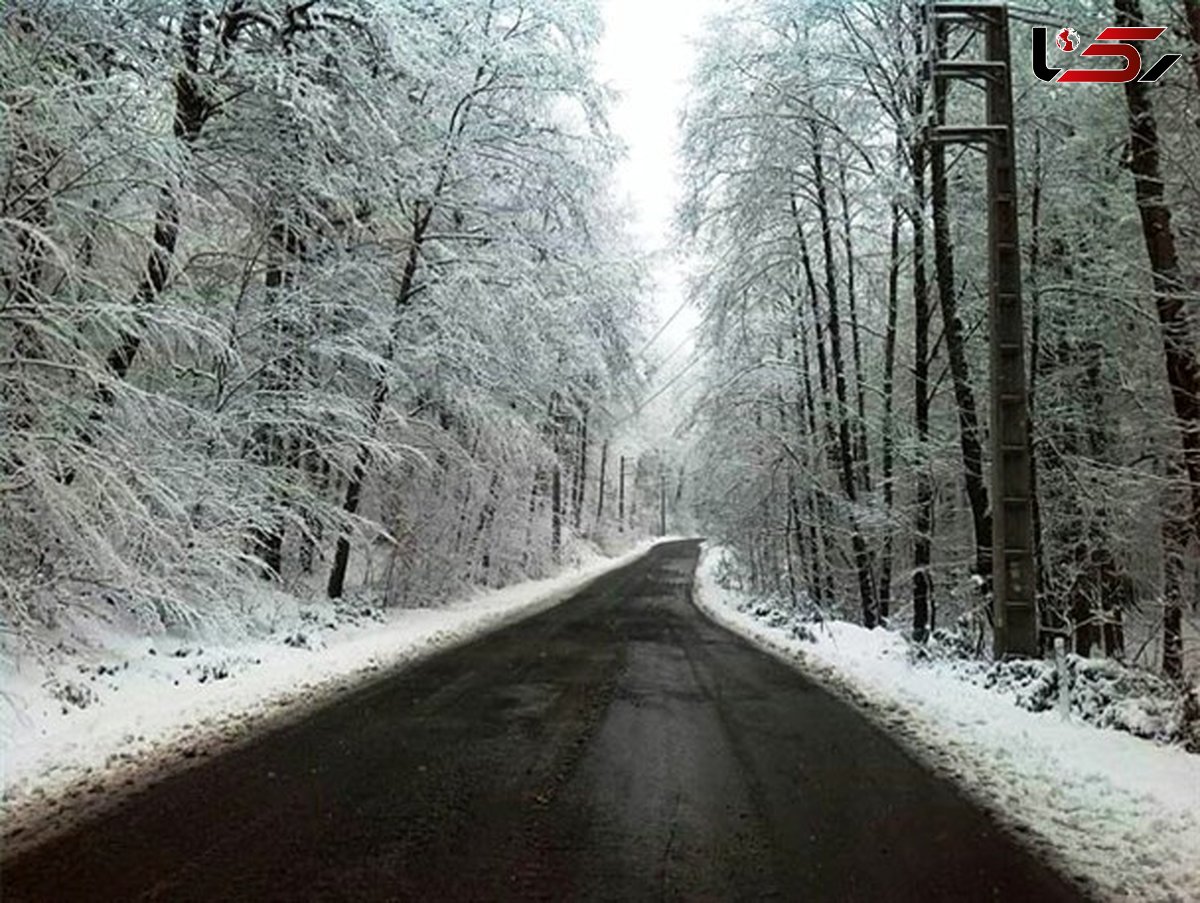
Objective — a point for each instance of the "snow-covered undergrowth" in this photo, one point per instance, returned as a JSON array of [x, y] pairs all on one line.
[[1119, 813], [106, 707], [1103, 692]]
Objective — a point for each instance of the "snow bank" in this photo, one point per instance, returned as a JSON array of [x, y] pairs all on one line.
[[1119, 813], [1102, 692], [132, 707]]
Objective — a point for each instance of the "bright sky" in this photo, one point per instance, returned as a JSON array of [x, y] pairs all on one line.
[[646, 55]]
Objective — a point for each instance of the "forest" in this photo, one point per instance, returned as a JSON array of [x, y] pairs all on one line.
[[329, 295], [618, 449], [339, 297], [844, 419]]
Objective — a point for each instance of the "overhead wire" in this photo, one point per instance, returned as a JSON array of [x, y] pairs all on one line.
[[696, 356], [658, 332]]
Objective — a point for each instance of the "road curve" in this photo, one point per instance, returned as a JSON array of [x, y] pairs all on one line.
[[618, 747]]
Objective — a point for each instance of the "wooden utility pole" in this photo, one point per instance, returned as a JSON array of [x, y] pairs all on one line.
[[1014, 577]]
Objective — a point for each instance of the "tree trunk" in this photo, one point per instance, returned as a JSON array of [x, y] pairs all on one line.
[[556, 512], [828, 444], [23, 282], [633, 494], [923, 540], [581, 478], [531, 517], [862, 562], [341, 555], [861, 448], [1174, 547], [964, 396], [806, 550], [621, 498], [191, 112], [421, 216], [818, 534], [662, 500], [600, 487], [1191, 10], [889, 440], [814, 303], [791, 533], [404, 295], [1170, 294]]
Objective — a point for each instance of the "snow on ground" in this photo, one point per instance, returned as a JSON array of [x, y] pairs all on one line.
[[122, 709], [1119, 813]]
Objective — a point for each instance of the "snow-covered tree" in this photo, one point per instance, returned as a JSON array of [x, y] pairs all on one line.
[[845, 308], [301, 291]]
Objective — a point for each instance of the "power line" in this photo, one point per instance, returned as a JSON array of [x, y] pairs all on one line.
[[674, 351], [660, 329], [695, 359]]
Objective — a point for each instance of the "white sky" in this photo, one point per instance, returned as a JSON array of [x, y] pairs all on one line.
[[646, 54]]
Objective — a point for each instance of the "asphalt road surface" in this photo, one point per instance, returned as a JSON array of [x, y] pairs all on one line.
[[618, 747]]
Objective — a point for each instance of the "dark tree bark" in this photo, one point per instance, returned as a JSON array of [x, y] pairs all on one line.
[[621, 497], [556, 512], [827, 442], [633, 492], [600, 488], [581, 472], [815, 306], [487, 516], [23, 282], [791, 539], [353, 497], [1170, 293], [923, 540], [535, 490], [861, 448], [964, 396], [662, 500], [341, 556], [804, 541], [1191, 11], [191, 112], [557, 422], [829, 445], [889, 440], [1175, 543], [421, 216], [818, 534], [862, 561]]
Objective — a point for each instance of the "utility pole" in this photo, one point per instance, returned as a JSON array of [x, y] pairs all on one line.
[[1013, 576]]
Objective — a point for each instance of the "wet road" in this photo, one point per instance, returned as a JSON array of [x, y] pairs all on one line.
[[617, 747]]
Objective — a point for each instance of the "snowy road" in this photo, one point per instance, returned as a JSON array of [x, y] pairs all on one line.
[[617, 747]]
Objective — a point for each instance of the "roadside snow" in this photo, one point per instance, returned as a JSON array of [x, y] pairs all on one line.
[[123, 708], [1119, 813]]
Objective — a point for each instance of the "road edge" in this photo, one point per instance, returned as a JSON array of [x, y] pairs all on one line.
[[889, 720], [38, 817]]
